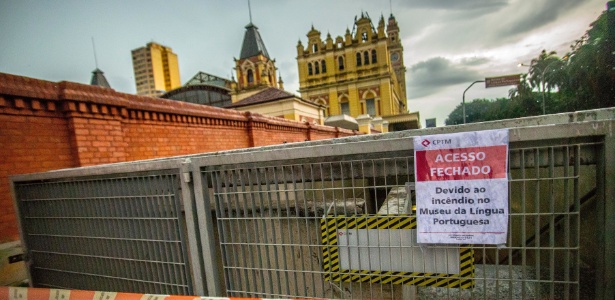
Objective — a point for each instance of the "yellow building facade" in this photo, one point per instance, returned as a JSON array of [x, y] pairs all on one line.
[[156, 69], [358, 74]]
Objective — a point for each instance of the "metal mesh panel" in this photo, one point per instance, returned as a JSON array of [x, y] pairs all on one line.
[[269, 224], [113, 233]]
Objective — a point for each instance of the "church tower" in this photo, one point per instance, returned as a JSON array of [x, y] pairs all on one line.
[[396, 52], [255, 70]]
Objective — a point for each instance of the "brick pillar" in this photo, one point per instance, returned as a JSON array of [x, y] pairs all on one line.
[[96, 133], [250, 129]]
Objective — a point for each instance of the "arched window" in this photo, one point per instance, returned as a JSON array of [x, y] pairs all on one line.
[[250, 77], [316, 68], [309, 68], [344, 106], [340, 63], [323, 66], [366, 58], [314, 48], [358, 59], [364, 37], [374, 57]]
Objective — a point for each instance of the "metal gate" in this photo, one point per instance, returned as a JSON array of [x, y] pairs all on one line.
[[119, 232], [262, 222], [269, 206]]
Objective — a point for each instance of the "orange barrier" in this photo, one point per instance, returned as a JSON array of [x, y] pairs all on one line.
[[22, 293]]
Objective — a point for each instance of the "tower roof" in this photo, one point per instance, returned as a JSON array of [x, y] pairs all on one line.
[[98, 78], [253, 44]]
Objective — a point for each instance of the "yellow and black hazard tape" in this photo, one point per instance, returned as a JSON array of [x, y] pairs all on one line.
[[330, 226]]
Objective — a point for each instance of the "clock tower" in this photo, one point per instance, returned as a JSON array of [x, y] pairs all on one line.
[[358, 75], [396, 54]]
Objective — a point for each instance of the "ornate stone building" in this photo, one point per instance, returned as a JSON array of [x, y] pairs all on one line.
[[360, 74], [258, 88]]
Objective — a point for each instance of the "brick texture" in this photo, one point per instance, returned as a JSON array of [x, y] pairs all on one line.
[[46, 126]]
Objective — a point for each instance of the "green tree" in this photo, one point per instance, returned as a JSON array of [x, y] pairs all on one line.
[[480, 110], [590, 79]]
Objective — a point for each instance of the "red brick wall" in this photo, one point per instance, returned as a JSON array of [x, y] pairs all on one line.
[[46, 126]]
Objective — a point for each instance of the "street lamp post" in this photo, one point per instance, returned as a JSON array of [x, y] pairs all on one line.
[[463, 103]]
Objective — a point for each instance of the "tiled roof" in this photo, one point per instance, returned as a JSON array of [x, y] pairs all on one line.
[[253, 44], [267, 95], [98, 78]]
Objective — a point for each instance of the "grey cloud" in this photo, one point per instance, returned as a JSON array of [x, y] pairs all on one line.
[[531, 15], [475, 61], [430, 76], [457, 4]]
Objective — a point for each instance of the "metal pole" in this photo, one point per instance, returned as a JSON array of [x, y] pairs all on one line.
[[542, 79], [463, 103]]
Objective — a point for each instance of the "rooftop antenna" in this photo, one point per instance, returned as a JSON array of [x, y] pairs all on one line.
[[391, 7], [94, 48], [250, 11]]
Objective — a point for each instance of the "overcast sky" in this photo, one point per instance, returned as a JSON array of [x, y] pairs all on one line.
[[447, 43]]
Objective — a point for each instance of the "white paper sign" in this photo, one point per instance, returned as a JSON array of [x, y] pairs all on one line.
[[462, 187]]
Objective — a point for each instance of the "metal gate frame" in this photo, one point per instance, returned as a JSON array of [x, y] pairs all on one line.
[[402, 141], [176, 166]]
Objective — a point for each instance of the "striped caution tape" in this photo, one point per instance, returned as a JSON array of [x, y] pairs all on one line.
[[21, 293], [331, 264]]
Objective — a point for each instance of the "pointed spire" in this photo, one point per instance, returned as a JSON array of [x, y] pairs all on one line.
[[280, 81], [98, 78], [253, 44]]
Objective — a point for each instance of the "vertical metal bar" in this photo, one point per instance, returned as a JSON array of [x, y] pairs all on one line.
[[308, 234], [280, 222], [233, 224], [181, 249], [577, 209], [249, 191], [243, 238], [523, 223], [142, 209], [512, 215], [291, 243], [262, 197], [94, 211], [551, 158], [567, 229], [194, 263], [537, 199], [207, 234], [300, 239], [221, 214], [18, 199], [325, 215], [272, 224], [605, 171]]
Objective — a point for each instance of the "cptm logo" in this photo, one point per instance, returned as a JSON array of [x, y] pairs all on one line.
[[426, 142]]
